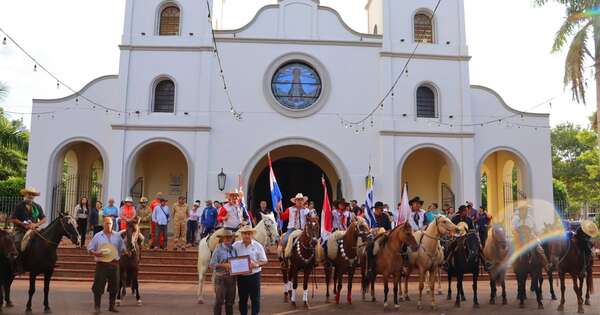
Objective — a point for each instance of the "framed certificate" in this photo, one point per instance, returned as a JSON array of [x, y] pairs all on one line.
[[240, 265]]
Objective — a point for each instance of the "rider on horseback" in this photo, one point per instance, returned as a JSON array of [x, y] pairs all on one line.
[[27, 216], [524, 225], [583, 236], [296, 216], [231, 214]]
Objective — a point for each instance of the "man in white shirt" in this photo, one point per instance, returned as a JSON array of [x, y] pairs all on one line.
[[296, 216], [417, 218], [249, 285], [231, 214]]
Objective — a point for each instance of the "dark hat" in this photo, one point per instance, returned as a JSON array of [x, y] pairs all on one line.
[[416, 199], [161, 199], [462, 208], [378, 204]]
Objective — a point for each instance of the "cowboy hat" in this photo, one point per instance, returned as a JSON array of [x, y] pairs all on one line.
[[590, 228], [29, 191], [378, 204], [299, 196], [225, 233], [247, 229], [416, 199], [109, 252], [235, 193], [128, 199]]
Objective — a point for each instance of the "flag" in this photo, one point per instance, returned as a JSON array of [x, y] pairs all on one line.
[[275, 193], [369, 214], [326, 219], [241, 200], [405, 210]]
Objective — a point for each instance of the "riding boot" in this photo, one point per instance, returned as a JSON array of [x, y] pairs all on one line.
[[111, 306], [97, 299]]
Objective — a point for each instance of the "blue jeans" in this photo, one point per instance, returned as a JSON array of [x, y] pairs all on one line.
[[287, 236]]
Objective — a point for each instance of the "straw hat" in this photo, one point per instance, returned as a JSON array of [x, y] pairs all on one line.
[[30, 191], [590, 228], [299, 196], [247, 229], [109, 252], [234, 193]]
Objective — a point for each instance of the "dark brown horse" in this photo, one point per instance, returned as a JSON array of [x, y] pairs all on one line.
[[40, 255], [529, 263], [130, 262], [8, 256], [299, 254], [347, 258], [569, 258], [390, 261], [464, 257]]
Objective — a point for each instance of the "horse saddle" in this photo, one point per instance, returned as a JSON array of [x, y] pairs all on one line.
[[290, 243], [26, 239]]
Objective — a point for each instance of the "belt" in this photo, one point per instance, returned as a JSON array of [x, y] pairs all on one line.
[[113, 263]]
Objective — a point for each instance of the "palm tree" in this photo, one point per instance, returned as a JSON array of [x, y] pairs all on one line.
[[14, 140], [580, 27]]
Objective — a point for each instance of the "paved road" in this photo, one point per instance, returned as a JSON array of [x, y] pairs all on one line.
[[76, 298]]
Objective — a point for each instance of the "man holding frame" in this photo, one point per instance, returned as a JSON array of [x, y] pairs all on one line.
[[249, 284]]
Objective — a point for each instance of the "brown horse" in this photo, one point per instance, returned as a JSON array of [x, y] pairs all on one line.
[[346, 256], [390, 261], [40, 255], [530, 263], [8, 256], [130, 262], [569, 258], [496, 252], [299, 254]]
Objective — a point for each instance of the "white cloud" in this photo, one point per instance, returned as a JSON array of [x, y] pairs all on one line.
[[509, 40]]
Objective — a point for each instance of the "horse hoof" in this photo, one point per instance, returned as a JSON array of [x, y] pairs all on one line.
[[540, 306], [400, 299], [396, 306], [293, 304], [476, 305], [492, 302], [560, 308], [457, 304], [200, 301], [385, 305], [462, 298], [306, 305], [47, 310], [118, 302], [504, 301], [449, 297], [406, 298], [10, 304], [419, 307], [580, 310], [553, 297], [139, 302], [587, 302], [373, 299]]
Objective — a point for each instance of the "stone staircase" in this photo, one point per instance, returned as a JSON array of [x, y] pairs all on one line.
[[76, 264]]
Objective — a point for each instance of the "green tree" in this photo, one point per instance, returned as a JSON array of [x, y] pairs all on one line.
[[14, 141], [576, 162], [580, 31]]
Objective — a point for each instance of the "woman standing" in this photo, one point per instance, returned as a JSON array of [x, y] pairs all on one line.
[[95, 218], [81, 213]]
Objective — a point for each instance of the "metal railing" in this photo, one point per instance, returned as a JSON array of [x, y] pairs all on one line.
[[578, 210], [7, 204]]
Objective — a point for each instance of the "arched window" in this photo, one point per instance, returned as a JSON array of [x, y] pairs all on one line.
[[164, 97], [423, 28], [169, 21], [426, 102]]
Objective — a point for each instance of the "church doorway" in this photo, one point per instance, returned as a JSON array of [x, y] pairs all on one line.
[[298, 169]]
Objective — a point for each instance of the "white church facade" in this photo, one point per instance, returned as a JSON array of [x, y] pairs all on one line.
[[163, 123]]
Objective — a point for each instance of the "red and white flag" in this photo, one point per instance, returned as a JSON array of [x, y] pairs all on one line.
[[326, 217]]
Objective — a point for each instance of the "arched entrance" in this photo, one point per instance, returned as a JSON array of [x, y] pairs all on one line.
[[159, 167], [503, 183], [298, 169], [78, 171], [429, 174]]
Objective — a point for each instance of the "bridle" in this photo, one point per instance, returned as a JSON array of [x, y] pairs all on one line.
[[64, 231], [310, 247]]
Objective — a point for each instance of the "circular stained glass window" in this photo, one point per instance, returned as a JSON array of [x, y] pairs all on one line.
[[296, 85]]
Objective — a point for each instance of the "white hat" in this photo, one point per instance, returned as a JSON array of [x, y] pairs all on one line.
[[299, 196], [129, 199]]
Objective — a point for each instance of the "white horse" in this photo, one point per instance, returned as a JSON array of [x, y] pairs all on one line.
[[266, 235]]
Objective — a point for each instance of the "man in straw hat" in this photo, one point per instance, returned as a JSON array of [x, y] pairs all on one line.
[[231, 214], [27, 215], [106, 247], [296, 216], [584, 235], [224, 282], [249, 285]]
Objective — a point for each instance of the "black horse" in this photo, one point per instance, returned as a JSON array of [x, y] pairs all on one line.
[[8, 256], [464, 258], [40, 255]]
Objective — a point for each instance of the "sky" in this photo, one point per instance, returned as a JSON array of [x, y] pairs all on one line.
[[509, 42]]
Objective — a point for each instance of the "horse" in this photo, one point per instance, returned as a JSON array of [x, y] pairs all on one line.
[[40, 255], [266, 231], [208, 244], [300, 254], [531, 262], [496, 252], [343, 254], [568, 257], [464, 258], [429, 256], [389, 260], [8, 256], [129, 264]]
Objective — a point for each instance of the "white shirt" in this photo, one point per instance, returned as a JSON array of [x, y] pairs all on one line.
[[235, 216], [255, 251], [293, 219], [419, 224]]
